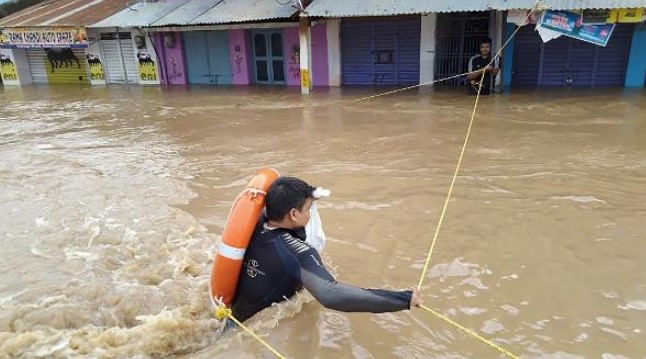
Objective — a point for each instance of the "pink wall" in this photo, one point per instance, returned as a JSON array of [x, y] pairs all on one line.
[[241, 56], [171, 59], [319, 56], [292, 59], [239, 53]]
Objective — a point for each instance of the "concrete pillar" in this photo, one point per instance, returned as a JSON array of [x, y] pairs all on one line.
[[636, 72], [334, 51], [427, 49], [496, 26], [498, 41], [305, 54]]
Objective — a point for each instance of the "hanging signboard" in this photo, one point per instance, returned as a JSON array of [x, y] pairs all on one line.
[[569, 24], [26, 38]]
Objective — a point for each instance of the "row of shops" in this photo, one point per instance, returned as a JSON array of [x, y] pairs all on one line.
[[243, 42]]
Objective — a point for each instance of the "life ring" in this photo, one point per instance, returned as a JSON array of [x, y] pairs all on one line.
[[242, 221]]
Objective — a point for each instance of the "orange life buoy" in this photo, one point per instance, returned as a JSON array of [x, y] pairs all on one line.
[[238, 230]]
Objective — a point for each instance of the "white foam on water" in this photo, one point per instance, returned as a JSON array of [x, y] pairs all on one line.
[[492, 326], [472, 311], [580, 199], [634, 305]]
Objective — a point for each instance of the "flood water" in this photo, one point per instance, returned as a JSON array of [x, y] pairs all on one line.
[[113, 199]]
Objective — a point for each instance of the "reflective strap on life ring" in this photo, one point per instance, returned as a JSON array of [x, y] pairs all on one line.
[[230, 252]]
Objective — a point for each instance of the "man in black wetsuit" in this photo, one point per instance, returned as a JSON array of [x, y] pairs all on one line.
[[481, 65], [278, 262]]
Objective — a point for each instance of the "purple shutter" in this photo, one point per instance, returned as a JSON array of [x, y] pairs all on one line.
[[408, 52], [356, 57], [612, 61], [527, 57], [567, 61], [382, 52]]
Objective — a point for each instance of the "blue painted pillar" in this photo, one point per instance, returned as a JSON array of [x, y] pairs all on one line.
[[508, 61], [636, 72]]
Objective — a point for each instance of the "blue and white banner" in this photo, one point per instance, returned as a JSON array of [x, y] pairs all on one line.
[[569, 24]]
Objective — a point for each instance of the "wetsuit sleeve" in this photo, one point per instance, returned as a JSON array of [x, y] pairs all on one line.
[[343, 297]]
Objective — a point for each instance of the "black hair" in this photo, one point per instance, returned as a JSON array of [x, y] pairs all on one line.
[[485, 40], [284, 194]]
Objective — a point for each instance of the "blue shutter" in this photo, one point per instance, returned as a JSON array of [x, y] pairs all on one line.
[[555, 62], [356, 53], [569, 61], [612, 61], [362, 41], [408, 52], [527, 57], [385, 41], [581, 62]]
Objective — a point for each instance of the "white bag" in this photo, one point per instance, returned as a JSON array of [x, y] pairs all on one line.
[[314, 230]]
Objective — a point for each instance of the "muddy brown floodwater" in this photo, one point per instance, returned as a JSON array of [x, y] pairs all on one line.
[[112, 201]]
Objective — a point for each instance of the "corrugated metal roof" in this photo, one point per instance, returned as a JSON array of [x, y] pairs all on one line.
[[231, 11], [141, 14], [349, 8], [64, 13], [97, 12], [186, 12]]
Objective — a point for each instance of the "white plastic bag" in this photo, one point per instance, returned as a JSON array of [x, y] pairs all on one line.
[[314, 230]]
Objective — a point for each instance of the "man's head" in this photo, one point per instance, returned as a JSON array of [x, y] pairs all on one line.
[[288, 202], [485, 47]]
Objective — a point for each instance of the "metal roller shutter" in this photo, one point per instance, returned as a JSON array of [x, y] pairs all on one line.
[[380, 52], [37, 59], [62, 66], [567, 61], [408, 52], [128, 53], [115, 57], [356, 58]]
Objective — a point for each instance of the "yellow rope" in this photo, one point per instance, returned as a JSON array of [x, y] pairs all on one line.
[[222, 313], [415, 86], [464, 147], [448, 195], [472, 333], [448, 198]]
